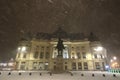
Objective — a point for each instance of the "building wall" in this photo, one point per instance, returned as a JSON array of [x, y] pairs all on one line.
[[42, 55]]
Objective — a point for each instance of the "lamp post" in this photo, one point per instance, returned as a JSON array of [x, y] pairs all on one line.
[[113, 62]]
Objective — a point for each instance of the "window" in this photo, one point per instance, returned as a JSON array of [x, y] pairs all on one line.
[[79, 66], [36, 55], [42, 48], [65, 62], [74, 66], [54, 67], [97, 64], [46, 65], [72, 48], [41, 55], [83, 47], [73, 55], [18, 55], [37, 48], [41, 65], [78, 55], [65, 67], [65, 55], [22, 67], [85, 66], [84, 55], [95, 56], [77, 49], [55, 54], [47, 55], [24, 55], [54, 62], [101, 56], [34, 65], [47, 48]]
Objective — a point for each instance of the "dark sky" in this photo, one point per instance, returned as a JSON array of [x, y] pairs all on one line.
[[102, 17]]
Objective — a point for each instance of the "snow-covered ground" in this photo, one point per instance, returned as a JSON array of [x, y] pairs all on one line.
[[74, 75]]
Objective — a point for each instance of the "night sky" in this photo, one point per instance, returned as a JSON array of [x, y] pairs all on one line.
[[102, 17]]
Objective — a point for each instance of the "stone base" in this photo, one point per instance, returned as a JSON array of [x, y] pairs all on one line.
[[59, 66]]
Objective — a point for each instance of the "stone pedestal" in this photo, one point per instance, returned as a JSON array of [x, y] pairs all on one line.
[[59, 65]]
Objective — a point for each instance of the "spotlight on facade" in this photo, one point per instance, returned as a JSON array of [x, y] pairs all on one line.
[[19, 48], [98, 48], [23, 48]]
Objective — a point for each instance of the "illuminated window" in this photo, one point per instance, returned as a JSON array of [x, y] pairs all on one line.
[[65, 55]]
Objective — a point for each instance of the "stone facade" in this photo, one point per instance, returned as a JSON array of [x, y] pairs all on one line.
[[81, 52]]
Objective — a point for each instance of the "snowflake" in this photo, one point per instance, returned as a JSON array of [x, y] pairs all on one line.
[[50, 1]]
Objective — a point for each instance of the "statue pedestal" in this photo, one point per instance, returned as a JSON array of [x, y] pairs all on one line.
[[59, 65]]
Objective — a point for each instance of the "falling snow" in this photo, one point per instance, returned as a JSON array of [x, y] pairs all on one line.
[[98, 16]]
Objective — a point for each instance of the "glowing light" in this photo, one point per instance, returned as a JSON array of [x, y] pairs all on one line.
[[19, 49], [107, 66], [111, 60], [23, 49], [98, 48], [10, 64], [114, 58]]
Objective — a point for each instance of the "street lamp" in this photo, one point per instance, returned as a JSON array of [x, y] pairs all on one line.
[[115, 58], [114, 63]]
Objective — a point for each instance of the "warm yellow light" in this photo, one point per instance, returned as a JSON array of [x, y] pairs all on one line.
[[23, 49], [114, 58], [19, 48], [111, 60]]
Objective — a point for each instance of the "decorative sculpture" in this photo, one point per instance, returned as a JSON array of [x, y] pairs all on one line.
[[60, 47]]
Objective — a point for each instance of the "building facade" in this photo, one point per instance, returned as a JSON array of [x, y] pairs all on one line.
[[39, 52]]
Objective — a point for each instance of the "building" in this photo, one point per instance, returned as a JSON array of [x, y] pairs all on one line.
[[9, 65], [82, 52]]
